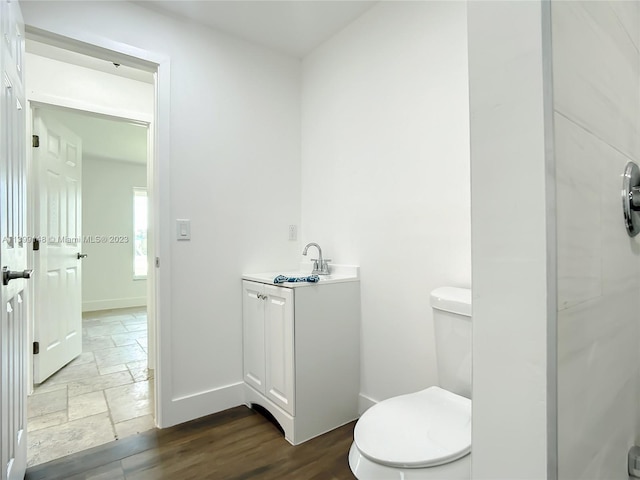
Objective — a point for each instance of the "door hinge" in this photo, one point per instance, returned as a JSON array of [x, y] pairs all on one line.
[[35, 141], [157, 262], [36, 244], [36, 348]]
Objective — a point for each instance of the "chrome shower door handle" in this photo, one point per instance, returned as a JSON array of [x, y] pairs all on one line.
[[634, 198], [631, 198]]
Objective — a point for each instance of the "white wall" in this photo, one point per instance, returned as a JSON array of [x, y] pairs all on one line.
[[596, 76], [513, 242], [234, 166], [385, 175], [107, 209], [56, 82]]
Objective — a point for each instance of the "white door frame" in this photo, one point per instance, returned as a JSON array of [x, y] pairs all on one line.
[[158, 187]]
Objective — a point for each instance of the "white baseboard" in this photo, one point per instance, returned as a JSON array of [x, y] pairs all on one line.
[[365, 403], [113, 303], [190, 407]]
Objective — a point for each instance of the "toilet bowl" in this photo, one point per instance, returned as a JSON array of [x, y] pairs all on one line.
[[426, 434]]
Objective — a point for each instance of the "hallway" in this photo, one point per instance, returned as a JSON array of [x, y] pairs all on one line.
[[105, 394]]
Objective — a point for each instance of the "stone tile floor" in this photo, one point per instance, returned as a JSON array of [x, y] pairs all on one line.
[[105, 394]]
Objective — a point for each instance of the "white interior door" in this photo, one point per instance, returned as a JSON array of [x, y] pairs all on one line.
[[57, 164], [13, 258]]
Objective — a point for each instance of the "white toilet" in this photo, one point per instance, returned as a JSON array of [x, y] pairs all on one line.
[[427, 434]]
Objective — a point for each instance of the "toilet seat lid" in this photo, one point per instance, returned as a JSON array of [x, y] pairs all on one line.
[[423, 429]]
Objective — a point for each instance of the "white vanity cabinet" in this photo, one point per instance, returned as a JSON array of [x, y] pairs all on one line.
[[301, 346], [268, 342]]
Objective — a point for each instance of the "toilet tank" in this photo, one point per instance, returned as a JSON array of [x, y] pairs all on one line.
[[452, 322]]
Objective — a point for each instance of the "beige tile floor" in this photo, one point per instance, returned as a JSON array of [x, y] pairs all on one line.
[[103, 395]]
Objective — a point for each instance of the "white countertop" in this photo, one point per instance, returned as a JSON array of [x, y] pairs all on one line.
[[339, 274]]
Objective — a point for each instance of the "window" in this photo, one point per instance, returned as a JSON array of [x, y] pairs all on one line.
[[140, 233]]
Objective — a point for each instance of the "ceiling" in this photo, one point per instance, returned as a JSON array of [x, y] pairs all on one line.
[[294, 27], [106, 138]]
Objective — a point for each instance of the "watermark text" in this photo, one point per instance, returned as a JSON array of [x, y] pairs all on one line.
[[72, 240]]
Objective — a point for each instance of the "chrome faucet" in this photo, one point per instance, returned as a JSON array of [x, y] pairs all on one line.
[[320, 265]]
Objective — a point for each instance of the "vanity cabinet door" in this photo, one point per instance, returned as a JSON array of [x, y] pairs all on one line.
[[279, 347], [253, 308]]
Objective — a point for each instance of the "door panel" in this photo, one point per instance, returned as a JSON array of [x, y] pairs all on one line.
[[279, 347], [253, 333], [58, 280], [13, 325]]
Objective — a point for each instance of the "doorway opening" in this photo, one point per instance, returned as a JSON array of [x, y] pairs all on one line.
[[106, 391]]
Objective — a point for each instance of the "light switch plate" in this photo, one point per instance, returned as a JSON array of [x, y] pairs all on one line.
[[183, 229]]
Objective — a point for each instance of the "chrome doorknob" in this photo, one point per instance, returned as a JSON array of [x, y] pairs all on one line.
[[8, 275], [81, 255]]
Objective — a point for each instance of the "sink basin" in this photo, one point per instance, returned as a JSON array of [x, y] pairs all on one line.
[[340, 273], [307, 274]]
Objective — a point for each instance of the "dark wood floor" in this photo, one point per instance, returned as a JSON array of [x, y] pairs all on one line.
[[236, 444]]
